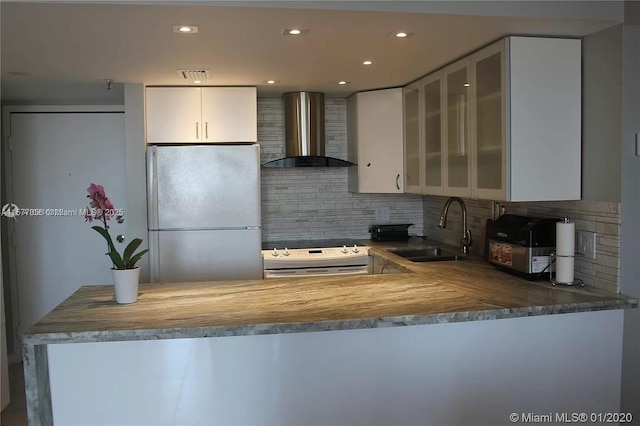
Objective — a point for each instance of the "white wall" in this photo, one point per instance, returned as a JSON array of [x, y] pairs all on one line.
[[601, 115], [630, 230], [4, 370], [25, 91], [136, 169], [441, 374]]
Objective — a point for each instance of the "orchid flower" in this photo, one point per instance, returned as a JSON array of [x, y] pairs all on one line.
[[101, 208]]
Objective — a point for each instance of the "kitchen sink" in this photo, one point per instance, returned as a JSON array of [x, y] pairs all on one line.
[[426, 254]]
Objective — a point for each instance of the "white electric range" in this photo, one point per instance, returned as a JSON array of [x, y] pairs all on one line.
[[315, 258]]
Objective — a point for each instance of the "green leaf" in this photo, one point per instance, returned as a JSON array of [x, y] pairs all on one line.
[[132, 262], [100, 230], [131, 247], [116, 259]]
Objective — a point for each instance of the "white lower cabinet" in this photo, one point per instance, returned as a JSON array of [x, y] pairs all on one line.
[[417, 375], [510, 123], [375, 141]]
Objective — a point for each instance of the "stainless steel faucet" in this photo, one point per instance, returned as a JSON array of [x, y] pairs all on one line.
[[465, 241]]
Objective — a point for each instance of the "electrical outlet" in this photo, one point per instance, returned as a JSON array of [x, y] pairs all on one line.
[[382, 214], [587, 244]]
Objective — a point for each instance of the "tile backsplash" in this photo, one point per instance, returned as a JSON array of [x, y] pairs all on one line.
[[603, 218], [314, 203]]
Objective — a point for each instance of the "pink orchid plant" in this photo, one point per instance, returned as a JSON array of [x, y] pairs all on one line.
[[102, 209]]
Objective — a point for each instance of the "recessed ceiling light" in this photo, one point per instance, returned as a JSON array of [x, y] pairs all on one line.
[[197, 81], [367, 62], [342, 83], [402, 34], [185, 29], [466, 85], [294, 31], [272, 82]]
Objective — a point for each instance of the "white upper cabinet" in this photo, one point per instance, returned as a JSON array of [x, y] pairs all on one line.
[[375, 141], [230, 114], [173, 114], [490, 106], [457, 158], [527, 119], [413, 146], [544, 96], [201, 114], [432, 121], [510, 124]]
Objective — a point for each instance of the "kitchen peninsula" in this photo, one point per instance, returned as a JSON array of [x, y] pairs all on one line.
[[428, 293]]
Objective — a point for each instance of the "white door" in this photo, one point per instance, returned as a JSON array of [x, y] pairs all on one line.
[[54, 158]]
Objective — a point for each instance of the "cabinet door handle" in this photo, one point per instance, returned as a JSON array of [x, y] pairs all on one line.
[[397, 181], [197, 130], [206, 130]]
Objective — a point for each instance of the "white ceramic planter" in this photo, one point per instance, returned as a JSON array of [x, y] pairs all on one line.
[[126, 284]]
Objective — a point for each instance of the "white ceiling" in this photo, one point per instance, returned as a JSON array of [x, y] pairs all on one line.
[[53, 45]]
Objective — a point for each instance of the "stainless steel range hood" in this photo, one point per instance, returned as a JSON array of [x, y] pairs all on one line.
[[304, 133]]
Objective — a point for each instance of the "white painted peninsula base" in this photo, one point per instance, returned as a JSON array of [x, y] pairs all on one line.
[[444, 374]]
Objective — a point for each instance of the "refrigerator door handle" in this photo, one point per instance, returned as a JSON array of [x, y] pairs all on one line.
[[154, 257], [152, 186]]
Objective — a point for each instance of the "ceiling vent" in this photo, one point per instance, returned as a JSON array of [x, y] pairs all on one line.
[[193, 75]]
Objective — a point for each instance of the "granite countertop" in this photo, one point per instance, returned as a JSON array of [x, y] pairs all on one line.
[[434, 292]]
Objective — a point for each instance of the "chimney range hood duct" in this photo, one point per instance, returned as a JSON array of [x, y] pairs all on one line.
[[304, 133]]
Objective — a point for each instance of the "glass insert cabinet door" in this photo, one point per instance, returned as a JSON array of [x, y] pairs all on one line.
[[490, 103], [412, 154], [458, 155], [432, 122]]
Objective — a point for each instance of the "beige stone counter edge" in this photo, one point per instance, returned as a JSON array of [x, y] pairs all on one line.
[[303, 327]]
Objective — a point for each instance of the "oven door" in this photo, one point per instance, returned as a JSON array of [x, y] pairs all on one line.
[[317, 272]]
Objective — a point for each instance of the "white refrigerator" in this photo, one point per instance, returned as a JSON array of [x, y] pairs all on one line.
[[204, 212]]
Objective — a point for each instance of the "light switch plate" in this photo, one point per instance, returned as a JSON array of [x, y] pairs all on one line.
[[587, 244]]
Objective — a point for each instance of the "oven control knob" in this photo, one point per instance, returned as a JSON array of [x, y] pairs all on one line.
[[274, 253], [286, 252], [355, 249], [344, 250]]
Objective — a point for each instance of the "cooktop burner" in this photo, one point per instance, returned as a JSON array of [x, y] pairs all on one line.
[[302, 244]]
